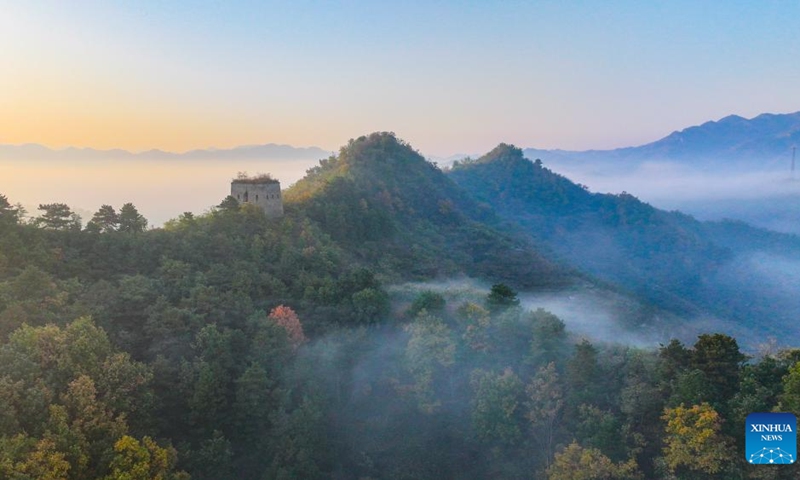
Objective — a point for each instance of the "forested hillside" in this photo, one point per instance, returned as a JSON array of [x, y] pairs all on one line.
[[227, 345], [384, 204], [669, 258]]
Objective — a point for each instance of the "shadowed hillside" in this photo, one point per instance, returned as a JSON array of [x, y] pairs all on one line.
[[668, 257]]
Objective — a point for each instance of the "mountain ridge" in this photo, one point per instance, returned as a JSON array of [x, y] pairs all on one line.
[[389, 205], [670, 258], [755, 142], [733, 137], [37, 151]]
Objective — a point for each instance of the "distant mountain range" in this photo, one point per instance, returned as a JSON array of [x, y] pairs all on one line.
[[761, 141], [268, 151]]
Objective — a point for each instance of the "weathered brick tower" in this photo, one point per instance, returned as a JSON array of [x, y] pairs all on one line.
[[261, 190]]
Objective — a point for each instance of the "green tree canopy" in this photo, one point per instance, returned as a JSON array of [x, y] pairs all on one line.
[[501, 297], [718, 356], [57, 216], [8, 213], [497, 410], [105, 219], [130, 220]]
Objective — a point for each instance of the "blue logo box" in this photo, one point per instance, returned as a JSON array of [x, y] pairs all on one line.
[[770, 438]]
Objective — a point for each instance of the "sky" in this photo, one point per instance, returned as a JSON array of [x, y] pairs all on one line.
[[446, 76]]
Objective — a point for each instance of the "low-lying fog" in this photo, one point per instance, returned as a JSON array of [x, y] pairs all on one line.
[[768, 199], [588, 312], [160, 189]]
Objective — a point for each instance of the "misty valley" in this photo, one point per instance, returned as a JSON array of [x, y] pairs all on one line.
[[487, 318]]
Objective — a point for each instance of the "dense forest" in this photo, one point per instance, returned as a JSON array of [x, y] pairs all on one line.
[[229, 345], [669, 258]]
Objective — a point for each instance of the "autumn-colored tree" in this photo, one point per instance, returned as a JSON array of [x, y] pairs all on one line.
[[145, 460], [43, 462], [693, 440], [286, 318], [578, 463], [85, 428], [65, 395]]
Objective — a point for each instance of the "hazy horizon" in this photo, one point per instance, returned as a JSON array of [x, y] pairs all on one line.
[[447, 77], [163, 189]]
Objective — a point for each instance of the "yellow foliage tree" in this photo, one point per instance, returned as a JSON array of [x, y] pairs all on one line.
[[45, 462], [145, 460], [578, 463], [693, 440]]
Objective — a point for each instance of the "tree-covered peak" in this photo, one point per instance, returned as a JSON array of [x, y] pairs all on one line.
[[379, 147], [387, 205], [505, 174], [503, 154], [503, 151], [379, 159], [386, 172]]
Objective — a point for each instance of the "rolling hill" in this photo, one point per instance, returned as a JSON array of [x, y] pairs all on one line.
[[392, 209], [677, 262]]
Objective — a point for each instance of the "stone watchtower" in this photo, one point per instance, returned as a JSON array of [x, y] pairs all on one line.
[[261, 190]]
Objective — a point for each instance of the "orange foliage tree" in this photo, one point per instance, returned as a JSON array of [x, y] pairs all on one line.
[[286, 318]]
